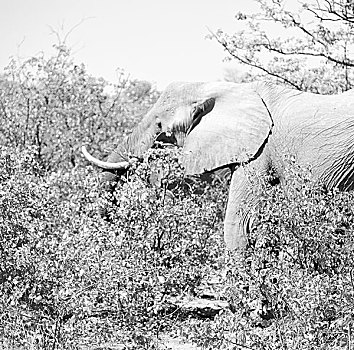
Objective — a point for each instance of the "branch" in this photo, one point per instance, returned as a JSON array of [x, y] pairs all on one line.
[[313, 37], [69, 32], [116, 99], [322, 19], [344, 10], [295, 23], [304, 53], [254, 65], [330, 9], [307, 32]]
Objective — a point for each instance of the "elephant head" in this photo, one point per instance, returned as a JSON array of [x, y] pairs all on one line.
[[218, 125], [248, 128]]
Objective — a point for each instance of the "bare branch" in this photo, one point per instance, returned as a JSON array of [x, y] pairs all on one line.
[[69, 32]]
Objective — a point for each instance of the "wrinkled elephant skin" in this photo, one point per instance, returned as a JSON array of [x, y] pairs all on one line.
[[248, 128]]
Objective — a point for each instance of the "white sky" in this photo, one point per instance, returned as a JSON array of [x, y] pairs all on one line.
[[157, 40]]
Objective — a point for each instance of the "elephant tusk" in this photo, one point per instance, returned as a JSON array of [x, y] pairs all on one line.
[[102, 164]]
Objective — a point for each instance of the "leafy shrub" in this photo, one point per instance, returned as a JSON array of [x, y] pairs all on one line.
[[54, 104], [70, 278], [294, 290]]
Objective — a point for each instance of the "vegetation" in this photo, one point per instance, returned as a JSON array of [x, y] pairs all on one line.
[[55, 105], [305, 45], [294, 290], [72, 280]]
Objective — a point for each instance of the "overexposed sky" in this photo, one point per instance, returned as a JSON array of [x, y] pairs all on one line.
[[157, 40]]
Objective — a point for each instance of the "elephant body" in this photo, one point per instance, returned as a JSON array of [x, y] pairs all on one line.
[[248, 128], [316, 129]]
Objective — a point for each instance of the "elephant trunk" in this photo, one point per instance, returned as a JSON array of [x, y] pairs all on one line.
[[134, 145]]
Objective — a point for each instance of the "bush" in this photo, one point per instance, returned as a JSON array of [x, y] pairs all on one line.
[[55, 105], [295, 288], [70, 279]]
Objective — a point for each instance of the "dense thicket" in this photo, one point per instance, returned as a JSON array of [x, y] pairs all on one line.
[[68, 278], [71, 280]]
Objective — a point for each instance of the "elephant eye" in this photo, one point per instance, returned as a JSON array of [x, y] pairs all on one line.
[[199, 111], [194, 109], [159, 124]]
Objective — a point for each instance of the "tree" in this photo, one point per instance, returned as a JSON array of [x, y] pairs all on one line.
[[312, 50], [56, 105]]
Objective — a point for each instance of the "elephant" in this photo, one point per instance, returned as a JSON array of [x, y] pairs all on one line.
[[247, 127]]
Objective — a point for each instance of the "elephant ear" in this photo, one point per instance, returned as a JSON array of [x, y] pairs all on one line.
[[234, 130]]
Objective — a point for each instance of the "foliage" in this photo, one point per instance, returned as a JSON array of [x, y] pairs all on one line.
[[55, 105], [307, 47], [70, 279], [295, 288]]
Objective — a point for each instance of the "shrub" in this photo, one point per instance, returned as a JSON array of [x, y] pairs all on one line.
[[54, 104], [294, 290], [70, 278]]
